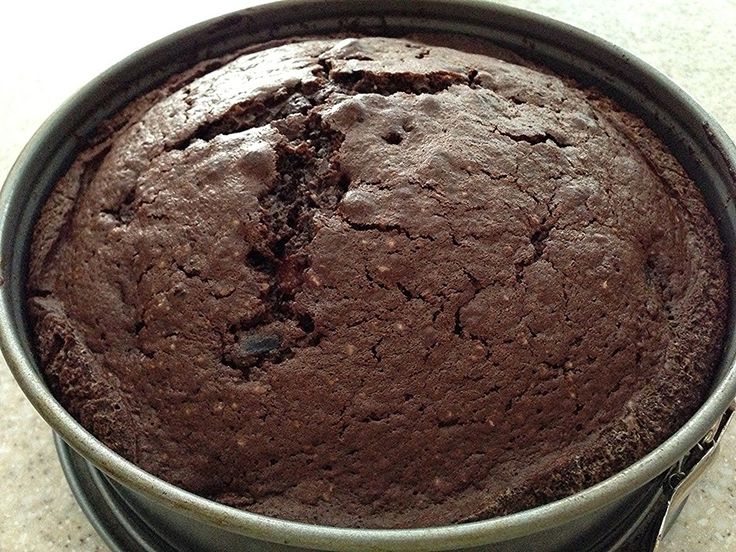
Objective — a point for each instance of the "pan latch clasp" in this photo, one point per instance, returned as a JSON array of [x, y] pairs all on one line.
[[688, 470]]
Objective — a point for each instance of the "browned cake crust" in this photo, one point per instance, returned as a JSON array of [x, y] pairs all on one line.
[[374, 283]]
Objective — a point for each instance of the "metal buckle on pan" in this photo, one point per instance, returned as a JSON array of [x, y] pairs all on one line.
[[688, 470]]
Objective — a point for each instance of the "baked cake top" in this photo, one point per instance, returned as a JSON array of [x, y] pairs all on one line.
[[373, 282]]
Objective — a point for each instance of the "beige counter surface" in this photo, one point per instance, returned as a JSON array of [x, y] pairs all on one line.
[[48, 50]]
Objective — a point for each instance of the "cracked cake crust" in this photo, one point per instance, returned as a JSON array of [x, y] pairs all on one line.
[[377, 282]]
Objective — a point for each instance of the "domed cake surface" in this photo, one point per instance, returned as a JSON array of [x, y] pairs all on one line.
[[377, 282]]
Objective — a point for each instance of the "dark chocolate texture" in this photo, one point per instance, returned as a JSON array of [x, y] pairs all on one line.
[[378, 283]]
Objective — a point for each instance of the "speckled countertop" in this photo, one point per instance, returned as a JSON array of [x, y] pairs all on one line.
[[48, 50]]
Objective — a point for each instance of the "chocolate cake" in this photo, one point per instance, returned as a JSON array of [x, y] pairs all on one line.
[[378, 282]]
